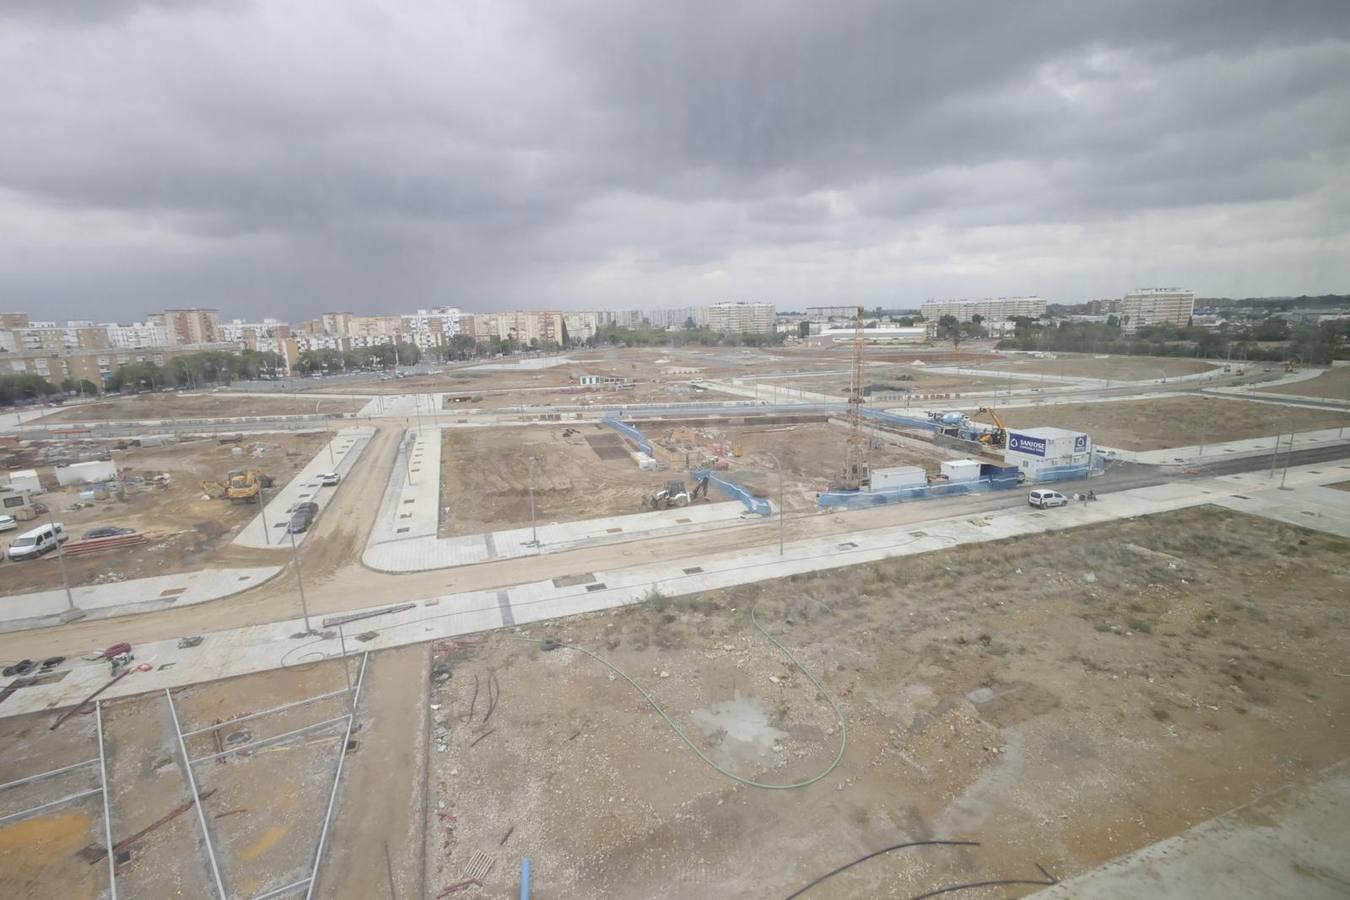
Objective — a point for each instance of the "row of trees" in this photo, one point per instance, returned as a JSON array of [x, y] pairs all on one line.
[[193, 370], [383, 356], [1271, 339], [689, 335]]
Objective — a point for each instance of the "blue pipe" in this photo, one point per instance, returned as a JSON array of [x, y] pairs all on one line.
[[525, 879]]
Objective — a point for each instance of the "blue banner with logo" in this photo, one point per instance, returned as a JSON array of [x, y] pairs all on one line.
[[1025, 443]]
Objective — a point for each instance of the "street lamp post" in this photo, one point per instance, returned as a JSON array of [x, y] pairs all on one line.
[[328, 428], [71, 611], [782, 510], [1287, 453], [262, 512], [300, 580]]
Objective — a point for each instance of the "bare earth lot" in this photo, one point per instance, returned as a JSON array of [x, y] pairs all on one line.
[[892, 380], [485, 477], [1173, 421], [185, 532], [1333, 383], [1060, 699], [1116, 368], [811, 453], [198, 406]]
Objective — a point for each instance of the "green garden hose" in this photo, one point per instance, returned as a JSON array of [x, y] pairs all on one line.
[[748, 782]]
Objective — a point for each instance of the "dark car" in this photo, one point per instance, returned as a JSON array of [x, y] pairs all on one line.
[[107, 531], [302, 517]]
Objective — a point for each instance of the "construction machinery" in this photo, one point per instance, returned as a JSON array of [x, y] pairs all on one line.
[[674, 495], [245, 485], [999, 436]]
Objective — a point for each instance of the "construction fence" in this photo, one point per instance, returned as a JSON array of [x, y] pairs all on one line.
[[629, 432], [1003, 480], [735, 491]]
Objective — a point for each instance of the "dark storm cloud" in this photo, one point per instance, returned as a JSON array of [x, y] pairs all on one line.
[[287, 157]]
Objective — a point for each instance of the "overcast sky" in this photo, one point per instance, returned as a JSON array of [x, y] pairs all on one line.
[[282, 157]]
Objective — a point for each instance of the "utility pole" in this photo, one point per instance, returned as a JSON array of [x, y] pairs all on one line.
[[300, 580], [1274, 455]]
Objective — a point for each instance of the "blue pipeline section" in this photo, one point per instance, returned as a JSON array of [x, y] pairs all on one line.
[[1001, 479], [899, 420], [735, 492], [629, 432], [525, 879]]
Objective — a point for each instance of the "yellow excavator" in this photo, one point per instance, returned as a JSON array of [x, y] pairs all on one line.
[[999, 436], [244, 485]]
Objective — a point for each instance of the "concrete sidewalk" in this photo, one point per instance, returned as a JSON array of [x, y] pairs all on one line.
[[262, 647], [1292, 844], [410, 507], [268, 528], [409, 553], [20, 612], [1198, 454]]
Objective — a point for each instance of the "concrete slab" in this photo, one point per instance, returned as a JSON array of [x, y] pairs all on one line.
[[1293, 844], [268, 528], [41, 609], [411, 504], [1320, 508], [407, 406]]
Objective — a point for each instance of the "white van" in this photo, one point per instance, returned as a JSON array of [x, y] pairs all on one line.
[[32, 544], [1043, 499]]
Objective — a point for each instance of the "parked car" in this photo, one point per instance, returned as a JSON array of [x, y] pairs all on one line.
[[32, 544], [302, 517], [328, 479], [8, 523], [1043, 499], [107, 531]]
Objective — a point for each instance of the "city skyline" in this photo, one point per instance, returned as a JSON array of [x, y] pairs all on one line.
[[605, 155]]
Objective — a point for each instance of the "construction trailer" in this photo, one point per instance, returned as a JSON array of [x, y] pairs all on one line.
[[955, 470], [897, 477], [24, 480], [1049, 454]]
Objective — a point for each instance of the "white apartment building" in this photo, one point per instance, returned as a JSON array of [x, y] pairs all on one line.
[[994, 309], [1156, 306], [137, 334], [742, 318], [442, 319]]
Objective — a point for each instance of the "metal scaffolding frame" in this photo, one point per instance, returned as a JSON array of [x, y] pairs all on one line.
[[102, 790], [196, 798]]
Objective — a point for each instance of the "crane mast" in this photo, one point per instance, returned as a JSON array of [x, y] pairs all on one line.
[[855, 473]]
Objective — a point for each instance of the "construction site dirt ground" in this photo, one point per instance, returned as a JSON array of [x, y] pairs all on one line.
[[185, 532], [485, 472], [220, 404], [1334, 384], [1058, 699], [889, 380], [1115, 368], [812, 454], [1173, 421]]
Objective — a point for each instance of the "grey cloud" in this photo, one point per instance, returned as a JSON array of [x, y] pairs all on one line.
[[381, 155]]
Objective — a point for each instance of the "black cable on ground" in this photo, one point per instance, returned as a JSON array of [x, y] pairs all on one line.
[[1050, 879], [831, 874]]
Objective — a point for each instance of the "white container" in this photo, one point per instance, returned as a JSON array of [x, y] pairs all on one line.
[[86, 472], [25, 480], [961, 469], [898, 477]]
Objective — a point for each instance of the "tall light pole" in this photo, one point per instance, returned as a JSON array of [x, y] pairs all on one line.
[[1287, 453], [782, 510], [534, 526], [328, 429], [71, 611], [262, 512], [300, 580]]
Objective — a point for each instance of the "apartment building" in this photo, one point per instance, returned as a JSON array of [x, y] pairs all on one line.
[[525, 326], [742, 318], [189, 325], [93, 365], [1156, 306], [990, 309]]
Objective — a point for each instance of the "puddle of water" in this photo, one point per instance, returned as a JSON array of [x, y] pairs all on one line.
[[742, 731]]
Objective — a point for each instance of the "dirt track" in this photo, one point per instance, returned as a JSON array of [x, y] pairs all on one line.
[[198, 406]]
